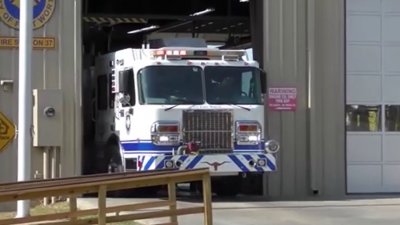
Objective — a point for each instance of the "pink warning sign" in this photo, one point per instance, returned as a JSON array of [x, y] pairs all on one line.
[[282, 98]]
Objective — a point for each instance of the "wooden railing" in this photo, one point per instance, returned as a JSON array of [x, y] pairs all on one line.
[[71, 188]]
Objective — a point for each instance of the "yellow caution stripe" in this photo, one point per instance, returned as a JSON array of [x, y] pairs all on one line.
[[113, 20]]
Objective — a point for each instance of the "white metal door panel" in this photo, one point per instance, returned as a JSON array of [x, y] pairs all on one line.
[[389, 34], [358, 32], [391, 56], [391, 152], [364, 88], [363, 58], [364, 178], [363, 148], [391, 178], [363, 5], [391, 6], [391, 89]]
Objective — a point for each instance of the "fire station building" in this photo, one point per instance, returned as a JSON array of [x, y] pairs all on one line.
[[340, 56]]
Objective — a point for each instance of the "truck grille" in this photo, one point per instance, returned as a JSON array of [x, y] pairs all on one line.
[[213, 129]]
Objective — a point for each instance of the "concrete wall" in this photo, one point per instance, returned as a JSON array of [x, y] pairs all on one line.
[[58, 68], [304, 47]]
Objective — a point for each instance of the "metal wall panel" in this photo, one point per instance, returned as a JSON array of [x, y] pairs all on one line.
[[304, 47], [330, 97], [58, 68]]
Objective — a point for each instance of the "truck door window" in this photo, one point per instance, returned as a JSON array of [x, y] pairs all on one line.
[[127, 86], [102, 92]]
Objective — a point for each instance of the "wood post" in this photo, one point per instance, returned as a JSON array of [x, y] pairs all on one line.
[[172, 201], [102, 197], [73, 207], [207, 200]]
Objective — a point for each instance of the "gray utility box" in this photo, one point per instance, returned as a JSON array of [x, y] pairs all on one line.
[[47, 117]]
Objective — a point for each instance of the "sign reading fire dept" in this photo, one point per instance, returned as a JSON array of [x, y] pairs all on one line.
[[42, 12], [282, 98], [7, 131]]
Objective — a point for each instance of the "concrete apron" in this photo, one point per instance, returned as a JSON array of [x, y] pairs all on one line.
[[351, 211]]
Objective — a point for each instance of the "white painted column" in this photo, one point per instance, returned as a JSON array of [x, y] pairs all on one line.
[[25, 100]]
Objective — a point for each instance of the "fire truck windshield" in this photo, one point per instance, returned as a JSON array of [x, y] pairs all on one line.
[[232, 85], [171, 85], [183, 85]]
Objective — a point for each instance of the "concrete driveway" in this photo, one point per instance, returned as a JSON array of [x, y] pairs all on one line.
[[383, 211]]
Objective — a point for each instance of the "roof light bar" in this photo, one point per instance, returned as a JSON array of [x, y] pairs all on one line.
[[162, 52], [225, 55]]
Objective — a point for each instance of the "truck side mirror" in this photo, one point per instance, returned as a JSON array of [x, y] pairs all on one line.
[[263, 80]]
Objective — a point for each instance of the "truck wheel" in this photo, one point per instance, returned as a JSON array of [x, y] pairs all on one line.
[[226, 186], [196, 187], [113, 158], [114, 165]]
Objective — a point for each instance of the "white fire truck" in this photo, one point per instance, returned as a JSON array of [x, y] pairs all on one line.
[[182, 105]]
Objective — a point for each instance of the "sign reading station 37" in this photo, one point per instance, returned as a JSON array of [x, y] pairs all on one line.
[[42, 12], [7, 131]]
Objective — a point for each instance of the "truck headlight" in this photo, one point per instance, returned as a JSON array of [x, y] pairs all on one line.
[[248, 132], [272, 146], [165, 133]]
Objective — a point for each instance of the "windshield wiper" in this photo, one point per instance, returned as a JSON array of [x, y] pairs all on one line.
[[242, 107], [181, 101], [171, 107], [239, 106]]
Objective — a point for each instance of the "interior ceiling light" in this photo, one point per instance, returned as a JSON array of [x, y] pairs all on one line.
[[144, 29], [200, 13], [208, 10]]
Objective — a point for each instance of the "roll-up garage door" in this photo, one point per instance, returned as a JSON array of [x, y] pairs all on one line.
[[373, 96]]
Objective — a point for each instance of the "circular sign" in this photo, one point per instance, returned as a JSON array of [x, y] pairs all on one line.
[[42, 12]]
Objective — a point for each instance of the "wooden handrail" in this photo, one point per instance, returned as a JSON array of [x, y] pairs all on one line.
[[83, 187], [88, 178], [101, 184]]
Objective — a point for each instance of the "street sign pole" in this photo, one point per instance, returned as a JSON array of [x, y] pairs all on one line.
[[24, 100]]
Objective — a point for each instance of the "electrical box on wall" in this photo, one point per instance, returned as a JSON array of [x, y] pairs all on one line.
[[47, 117]]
